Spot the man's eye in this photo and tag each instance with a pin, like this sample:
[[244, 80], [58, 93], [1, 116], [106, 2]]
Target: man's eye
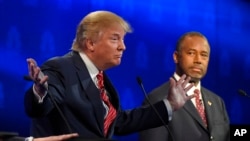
[[191, 53], [114, 38], [204, 55]]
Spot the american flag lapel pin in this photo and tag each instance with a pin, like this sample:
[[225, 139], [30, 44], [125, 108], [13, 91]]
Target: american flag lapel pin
[[209, 103]]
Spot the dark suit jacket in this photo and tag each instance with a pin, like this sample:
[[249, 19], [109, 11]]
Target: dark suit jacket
[[78, 98], [186, 124]]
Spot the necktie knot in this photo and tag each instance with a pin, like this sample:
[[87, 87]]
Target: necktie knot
[[197, 93], [100, 83], [100, 75]]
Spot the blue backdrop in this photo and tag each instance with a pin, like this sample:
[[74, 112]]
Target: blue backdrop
[[43, 28]]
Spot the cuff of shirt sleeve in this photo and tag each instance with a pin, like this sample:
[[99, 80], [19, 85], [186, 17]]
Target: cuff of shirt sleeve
[[40, 99], [29, 139], [169, 109]]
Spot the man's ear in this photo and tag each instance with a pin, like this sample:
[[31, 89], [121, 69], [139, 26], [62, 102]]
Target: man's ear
[[175, 57], [90, 44]]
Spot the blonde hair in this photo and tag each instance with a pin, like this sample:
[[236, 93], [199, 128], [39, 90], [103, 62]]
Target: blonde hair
[[91, 26]]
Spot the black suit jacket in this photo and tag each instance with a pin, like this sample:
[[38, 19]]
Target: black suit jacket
[[186, 124], [79, 100]]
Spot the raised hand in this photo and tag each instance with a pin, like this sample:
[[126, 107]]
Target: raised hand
[[37, 76], [177, 94]]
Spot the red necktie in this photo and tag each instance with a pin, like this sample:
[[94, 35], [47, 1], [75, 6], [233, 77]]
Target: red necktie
[[200, 108], [112, 111]]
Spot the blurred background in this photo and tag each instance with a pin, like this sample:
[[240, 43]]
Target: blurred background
[[43, 28]]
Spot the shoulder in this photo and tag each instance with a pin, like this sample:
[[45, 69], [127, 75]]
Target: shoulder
[[211, 94], [61, 60]]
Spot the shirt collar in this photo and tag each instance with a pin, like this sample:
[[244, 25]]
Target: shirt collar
[[93, 71], [191, 91]]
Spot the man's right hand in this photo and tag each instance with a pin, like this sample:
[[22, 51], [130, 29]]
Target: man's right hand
[[57, 138], [37, 76], [177, 95]]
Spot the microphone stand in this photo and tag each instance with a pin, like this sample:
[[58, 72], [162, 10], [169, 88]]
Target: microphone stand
[[157, 113], [56, 105]]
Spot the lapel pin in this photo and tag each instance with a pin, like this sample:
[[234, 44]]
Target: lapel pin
[[209, 103]]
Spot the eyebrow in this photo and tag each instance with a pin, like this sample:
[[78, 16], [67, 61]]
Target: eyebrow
[[116, 34], [203, 51]]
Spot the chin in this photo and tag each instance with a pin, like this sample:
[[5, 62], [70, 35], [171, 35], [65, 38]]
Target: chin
[[196, 78], [116, 63]]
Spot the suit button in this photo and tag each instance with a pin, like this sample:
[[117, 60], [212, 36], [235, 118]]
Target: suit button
[[211, 137]]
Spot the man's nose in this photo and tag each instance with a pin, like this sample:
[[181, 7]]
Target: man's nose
[[122, 46], [197, 58]]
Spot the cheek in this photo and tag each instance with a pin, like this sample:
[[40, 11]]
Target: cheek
[[111, 47], [184, 66], [205, 66], [205, 63], [186, 61]]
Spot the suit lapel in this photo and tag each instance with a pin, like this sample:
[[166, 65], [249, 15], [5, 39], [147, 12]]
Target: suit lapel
[[208, 104], [112, 93], [90, 90], [93, 94], [191, 109]]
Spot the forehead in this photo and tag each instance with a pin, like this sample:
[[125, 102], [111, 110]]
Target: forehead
[[114, 29], [195, 42]]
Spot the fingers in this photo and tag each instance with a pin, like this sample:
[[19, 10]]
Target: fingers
[[35, 72], [172, 82], [57, 138], [41, 78], [68, 136], [44, 80], [180, 81], [186, 89], [184, 80], [63, 137], [178, 91], [33, 69], [31, 60], [31, 64], [190, 97], [37, 76]]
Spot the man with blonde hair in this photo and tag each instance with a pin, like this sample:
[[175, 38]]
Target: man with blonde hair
[[73, 94]]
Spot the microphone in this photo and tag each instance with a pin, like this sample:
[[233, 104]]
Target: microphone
[[26, 77], [243, 93], [157, 113]]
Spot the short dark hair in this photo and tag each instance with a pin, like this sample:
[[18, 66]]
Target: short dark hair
[[188, 34]]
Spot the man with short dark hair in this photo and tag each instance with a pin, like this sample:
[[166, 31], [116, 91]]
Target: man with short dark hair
[[201, 119]]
